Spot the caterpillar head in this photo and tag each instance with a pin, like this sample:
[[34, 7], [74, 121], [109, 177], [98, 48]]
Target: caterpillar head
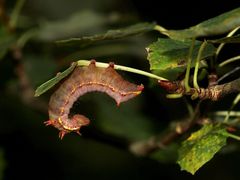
[[77, 121], [73, 124]]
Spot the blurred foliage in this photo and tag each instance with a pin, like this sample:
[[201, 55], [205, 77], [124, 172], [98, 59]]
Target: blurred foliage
[[6, 41], [78, 24], [121, 122], [110, 35], [2, 164], [29, 56]]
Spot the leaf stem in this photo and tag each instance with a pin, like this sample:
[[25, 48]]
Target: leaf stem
[[122, 68], [224, 113], [189, 108], [26, 37], [186, 79], [234, 103], [229, 35], [230, 60], [228, 74], [230, 135], [174, 96], [15, 13], [195, 76], [161, 29]]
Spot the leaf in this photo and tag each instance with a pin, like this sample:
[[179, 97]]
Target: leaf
[[201, 146], [110, 35], [52, 82], [77, 24], [214, 26], [167, 54], [232, 39]]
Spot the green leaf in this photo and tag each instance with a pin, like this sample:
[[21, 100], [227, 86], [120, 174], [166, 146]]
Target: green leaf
[[52, 82], [214, 26], [232, 39], [110, 35], [168, 54], [77, 24], [201, 146]]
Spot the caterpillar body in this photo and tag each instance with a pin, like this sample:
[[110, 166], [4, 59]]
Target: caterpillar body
[[81, 81]]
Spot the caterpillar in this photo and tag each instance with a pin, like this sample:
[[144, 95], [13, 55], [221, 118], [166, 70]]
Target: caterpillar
[[81, 81]]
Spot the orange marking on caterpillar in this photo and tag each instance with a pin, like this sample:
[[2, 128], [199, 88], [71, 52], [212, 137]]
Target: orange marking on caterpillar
[[81, 81]]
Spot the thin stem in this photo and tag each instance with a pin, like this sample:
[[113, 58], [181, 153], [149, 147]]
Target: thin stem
[[161, 30], [174, 96], [186, 79], [195, 76], [122, 68], [224, 113], [228, 74], [26, 37], [235, 102], [229, 35], [189, 108], [160, 141], [230, 135], [15, 13], [230, 60]]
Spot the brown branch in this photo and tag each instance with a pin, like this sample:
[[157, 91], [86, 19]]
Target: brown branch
[[213, 92], [4, 18], [26, 89], [143, 148]]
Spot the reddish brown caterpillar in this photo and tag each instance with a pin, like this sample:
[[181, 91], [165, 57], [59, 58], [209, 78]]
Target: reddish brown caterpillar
[[81, 81]]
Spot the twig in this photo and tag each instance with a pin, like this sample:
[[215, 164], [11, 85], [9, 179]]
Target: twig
[[230, 60], [122, 68], [224, 113], [15, 13], [157, 142], [4, 19], [228, 74], [229, 35], [213, 93], [195, 76], [187, 75], [26, 89], [234, 103]]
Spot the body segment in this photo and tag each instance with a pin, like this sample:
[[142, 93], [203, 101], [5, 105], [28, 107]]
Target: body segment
[[81, 81]]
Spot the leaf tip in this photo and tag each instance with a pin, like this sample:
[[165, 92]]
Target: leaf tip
[[36, 94], [147, 49], [183, 168]]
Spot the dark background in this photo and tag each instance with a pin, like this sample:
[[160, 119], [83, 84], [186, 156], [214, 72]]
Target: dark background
[[29, 150]]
